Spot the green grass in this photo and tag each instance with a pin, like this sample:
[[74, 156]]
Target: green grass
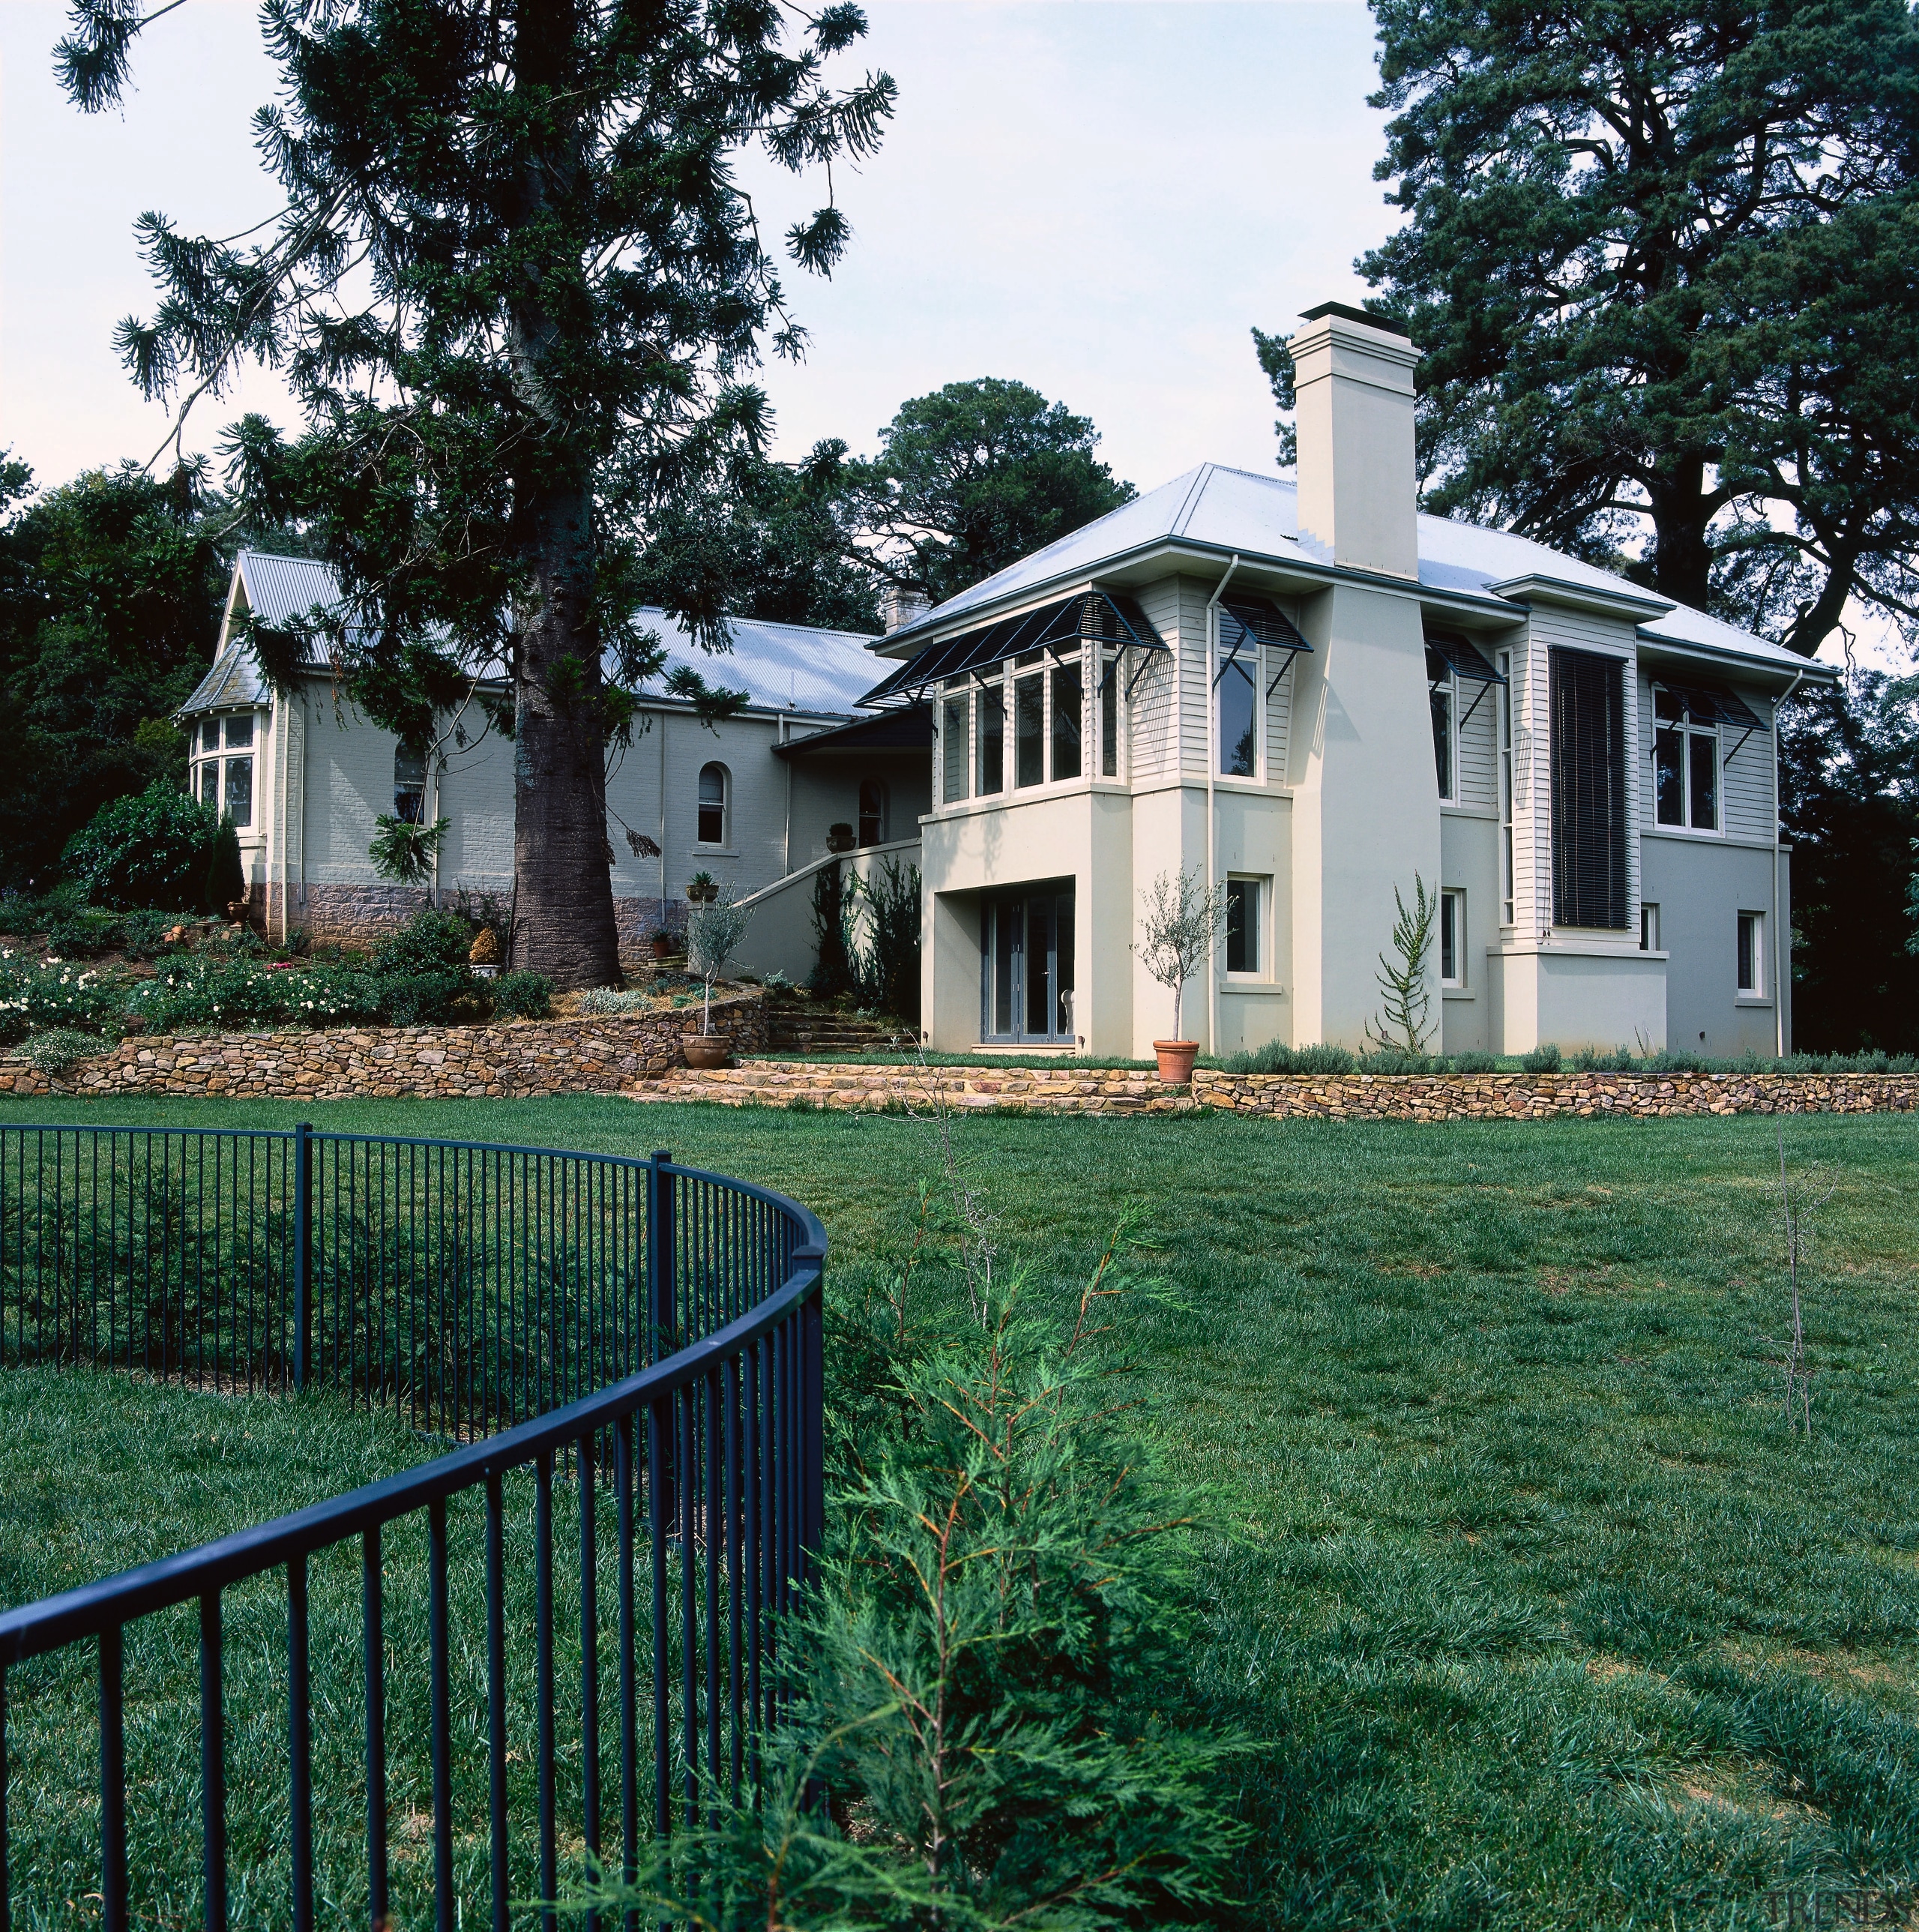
[[1543, 1617]]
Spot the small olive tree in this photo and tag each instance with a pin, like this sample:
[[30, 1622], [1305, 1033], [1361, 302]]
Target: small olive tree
[[1179, 915], [714, 929]]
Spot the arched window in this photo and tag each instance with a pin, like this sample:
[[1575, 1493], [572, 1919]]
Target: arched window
[[409, 785], [872, 812], [712, 830]]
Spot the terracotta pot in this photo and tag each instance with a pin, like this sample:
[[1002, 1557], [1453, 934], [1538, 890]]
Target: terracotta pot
[[706, 1050], [662, 948], [1176, 1060]]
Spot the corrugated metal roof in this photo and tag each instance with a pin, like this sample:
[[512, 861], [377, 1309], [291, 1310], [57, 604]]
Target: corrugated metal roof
[[780, 667], [1259, 516]]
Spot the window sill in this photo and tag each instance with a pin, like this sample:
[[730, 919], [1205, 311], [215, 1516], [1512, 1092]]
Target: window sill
[[716, 851], [1249, 984], [1763, 999], [1659, 831], [1456, 992]]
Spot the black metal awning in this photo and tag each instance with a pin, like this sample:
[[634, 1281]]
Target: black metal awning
[[1247, 622], [1103, 616], [1446, 655], [1708, 704]]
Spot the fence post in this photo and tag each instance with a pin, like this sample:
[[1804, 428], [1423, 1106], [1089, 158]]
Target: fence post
[[662, 1298], [303, 1244], [812, 1409]]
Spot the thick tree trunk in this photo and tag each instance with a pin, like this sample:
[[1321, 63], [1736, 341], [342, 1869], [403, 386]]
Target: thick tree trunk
[[562, 876], [1682, 553]]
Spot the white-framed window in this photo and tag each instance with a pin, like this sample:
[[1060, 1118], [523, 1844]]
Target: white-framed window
[[1444, 690], [409, 784], [1110, 696], [716, 804], [1452, 937], [1504, 662], [1236, 704], [872, 812], [1246, 899], [218, 777], [1068, 692], [1685, 765], [1752, 954], [955, 745], [1029, 720], [990, 736], [1649, 926]]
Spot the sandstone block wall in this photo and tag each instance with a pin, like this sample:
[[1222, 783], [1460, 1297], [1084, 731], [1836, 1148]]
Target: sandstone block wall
[[1060, 1088], [517, 1060]]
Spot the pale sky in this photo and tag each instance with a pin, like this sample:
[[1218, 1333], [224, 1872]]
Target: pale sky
[[1097, 197]]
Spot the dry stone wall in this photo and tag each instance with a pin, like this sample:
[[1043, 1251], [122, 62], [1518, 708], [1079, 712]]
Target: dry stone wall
[[518, 1059], [1402, 1097]]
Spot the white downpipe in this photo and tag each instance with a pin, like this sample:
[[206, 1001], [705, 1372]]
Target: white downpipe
[[663, 820], [1211, 770], [1779, 937]]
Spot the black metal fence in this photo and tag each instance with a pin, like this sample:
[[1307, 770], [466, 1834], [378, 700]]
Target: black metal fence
[[622, 1336]]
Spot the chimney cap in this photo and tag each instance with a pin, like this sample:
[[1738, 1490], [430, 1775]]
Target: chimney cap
[[1347, 313]]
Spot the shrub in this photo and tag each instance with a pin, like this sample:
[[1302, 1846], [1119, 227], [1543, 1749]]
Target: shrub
[[143, 934], [83, 934], [1541, 1059], [1397, 1059], [57, 1051], [525, 996], [35, 998], [1474, 1062], [197, 991], [157, 848], [422, 999], [1276, 1057], [992, 1673], [611, 1000], [431, 941]]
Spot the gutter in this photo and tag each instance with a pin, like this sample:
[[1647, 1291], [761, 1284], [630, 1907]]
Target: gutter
[[1212, 768], [934, 629]]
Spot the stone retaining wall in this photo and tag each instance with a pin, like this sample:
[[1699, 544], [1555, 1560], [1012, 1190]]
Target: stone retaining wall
[[1415, 1097], [518, 1059]]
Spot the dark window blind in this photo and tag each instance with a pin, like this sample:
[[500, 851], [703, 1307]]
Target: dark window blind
[[1588, 700]]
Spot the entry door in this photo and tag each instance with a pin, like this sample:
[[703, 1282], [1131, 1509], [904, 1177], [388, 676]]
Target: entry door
[[1026, 966]]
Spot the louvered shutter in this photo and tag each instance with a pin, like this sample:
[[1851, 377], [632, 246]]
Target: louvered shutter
[[1588, 700]]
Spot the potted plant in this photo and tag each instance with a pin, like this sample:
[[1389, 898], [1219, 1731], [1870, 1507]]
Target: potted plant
[[1178, 914], [701, 888], [714, 929], [840, 837], [663, 942]]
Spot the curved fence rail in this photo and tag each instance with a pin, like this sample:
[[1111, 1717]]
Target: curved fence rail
[[382, 1677]]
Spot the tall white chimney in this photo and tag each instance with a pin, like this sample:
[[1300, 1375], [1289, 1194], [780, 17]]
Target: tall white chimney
[[1358, 474]]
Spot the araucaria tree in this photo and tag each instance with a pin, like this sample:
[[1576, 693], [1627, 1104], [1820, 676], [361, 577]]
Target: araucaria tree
[[518, 291], [1659, 256]]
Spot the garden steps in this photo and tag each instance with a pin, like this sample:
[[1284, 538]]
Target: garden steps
[[791, 1030]]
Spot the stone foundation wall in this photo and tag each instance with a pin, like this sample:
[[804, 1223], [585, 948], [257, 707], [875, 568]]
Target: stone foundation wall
[[520, 1059], [1402, 1097], [363, 915]]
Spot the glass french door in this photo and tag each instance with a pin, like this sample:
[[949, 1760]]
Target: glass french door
[[1026, 966]]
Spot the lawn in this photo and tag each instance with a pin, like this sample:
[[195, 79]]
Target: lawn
[[1540, 1614]]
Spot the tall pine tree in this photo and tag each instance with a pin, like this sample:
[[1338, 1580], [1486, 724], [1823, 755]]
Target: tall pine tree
[[519, 293], [1660, 258]]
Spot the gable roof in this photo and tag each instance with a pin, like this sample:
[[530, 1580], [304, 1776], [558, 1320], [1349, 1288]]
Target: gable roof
[[1224, 510], [786, 667]]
